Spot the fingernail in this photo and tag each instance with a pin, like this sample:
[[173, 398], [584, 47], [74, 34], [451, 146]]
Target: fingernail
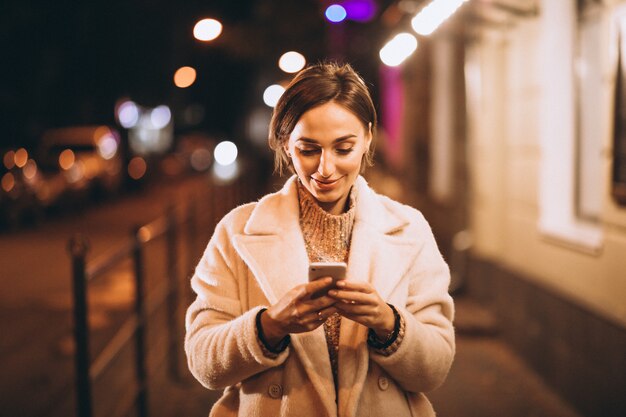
[[332, 292], [341, 283]]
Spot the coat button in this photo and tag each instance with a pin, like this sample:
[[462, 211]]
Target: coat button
[[275, 391], [383, 383]]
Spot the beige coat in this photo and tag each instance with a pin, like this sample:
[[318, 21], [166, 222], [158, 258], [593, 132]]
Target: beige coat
[[257, 253]]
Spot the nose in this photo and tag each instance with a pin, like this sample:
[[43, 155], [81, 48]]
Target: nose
[[326, 167]]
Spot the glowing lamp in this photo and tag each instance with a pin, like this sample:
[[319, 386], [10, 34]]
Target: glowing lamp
[[433, 15], [128, 114], [291, 62], [225, 153], [160, 116], [184, 77], [207, 30], [335, 13], [272, 94], [398, 49], [360, 10]]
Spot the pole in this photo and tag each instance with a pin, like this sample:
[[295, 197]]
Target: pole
[[78, 247]]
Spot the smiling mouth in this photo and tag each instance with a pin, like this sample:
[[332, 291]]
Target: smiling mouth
[[325, 182]]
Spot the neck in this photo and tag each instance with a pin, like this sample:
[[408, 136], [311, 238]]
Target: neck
[[336, 207]]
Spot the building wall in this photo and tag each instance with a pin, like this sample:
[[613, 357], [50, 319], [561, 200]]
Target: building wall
[[513, 118], [556, 279]]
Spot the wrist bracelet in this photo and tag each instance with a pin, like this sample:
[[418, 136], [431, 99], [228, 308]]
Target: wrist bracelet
[[376, 343], [269, 351]]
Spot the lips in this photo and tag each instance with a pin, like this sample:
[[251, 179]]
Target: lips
[[325, 184]]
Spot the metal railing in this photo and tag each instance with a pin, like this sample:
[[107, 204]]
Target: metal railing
[[169, 227]]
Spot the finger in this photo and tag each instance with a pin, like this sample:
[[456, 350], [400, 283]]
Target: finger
[[352, 297], [320, 302], [354, 286], [318, 288], [319, 285]]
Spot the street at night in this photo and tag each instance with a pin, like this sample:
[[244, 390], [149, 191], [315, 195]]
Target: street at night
[[458, 166]]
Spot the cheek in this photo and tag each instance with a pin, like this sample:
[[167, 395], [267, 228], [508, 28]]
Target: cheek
[[304, 164], [351, 164]]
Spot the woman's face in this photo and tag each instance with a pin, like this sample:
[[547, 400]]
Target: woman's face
[[326, 148]]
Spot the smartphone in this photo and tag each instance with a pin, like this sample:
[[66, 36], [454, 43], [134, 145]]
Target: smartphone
[[317, 270]]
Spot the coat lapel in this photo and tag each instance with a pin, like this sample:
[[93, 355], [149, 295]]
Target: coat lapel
[[273, 248], [378, 255]]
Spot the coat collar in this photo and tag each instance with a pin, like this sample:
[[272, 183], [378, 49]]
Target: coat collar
[[273, 247], [278, 212]]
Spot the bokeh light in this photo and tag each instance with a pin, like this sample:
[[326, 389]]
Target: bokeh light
[[207, 30], [160, 116], [225, 153], [8, 182], [30, 169], [128, 114], [67, 159], [184, 77], [360, 10], [433, 15], [137, 167], [21, 157], [335, 13], [272, 94], [291, 62], [107, 146], [200, 159], [224, 174], [9, 159], [398, 49]]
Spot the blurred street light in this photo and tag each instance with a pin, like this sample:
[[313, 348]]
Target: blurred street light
[[291, 62], [272, 94], [160, 116], [433, 15], [66, 159], [207, 30], [335, 13], [21, 156], [360, 10], [137, 167], [184, 77], [398, 49], [127, 114], [9, 159], [225, 153]]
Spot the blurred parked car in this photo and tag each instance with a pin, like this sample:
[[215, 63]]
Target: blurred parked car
[[79, 162]]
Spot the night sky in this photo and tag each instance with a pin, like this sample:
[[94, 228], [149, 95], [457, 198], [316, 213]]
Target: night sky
[[67, 62]]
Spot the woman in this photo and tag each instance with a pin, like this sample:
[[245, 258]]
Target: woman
[[374, 342]]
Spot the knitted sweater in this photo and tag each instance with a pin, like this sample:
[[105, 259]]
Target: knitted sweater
[[327, 239]]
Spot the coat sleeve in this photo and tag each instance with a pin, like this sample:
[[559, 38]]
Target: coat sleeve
[[221, 341], [425, 354]]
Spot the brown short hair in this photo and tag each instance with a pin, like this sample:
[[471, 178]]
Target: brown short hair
[[313, 86]]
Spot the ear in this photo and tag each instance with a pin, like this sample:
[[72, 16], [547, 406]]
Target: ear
[[286, 149]]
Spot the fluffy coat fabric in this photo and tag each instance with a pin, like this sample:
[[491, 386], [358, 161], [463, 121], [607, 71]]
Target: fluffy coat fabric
[[257, 254]]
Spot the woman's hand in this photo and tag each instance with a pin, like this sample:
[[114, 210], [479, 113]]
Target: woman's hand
[[360, 302], [297, 312]]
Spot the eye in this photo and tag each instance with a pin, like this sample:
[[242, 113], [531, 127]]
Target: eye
[[344, 151], [308, 151]]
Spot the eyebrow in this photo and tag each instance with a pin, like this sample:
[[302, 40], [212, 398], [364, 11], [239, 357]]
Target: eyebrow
[[339, 139]]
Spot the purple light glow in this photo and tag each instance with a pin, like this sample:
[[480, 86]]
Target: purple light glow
[[360, 10]]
